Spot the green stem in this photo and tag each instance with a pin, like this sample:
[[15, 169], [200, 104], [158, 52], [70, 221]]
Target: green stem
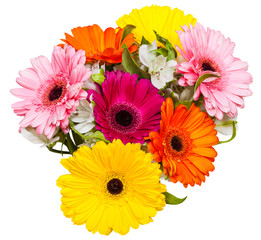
[[233, 135], [57, 151], [71, 147]]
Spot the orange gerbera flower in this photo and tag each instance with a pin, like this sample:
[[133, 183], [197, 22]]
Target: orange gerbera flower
[[99, 45], [184, 143]]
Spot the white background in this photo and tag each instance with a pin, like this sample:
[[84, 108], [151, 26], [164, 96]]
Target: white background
[[227, 206]]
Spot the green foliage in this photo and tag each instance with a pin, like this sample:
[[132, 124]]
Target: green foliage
[[172, 53], [127, 30], [130, 65], [203, 78], [171, 199]]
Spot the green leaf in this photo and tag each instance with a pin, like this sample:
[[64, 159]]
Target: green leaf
[[233, 134], [172, 53], [130, 65], [171, 199], [162, 51], [127, 30], [102, 71], [187, 104], [98, 135], [144, 41], [98, 78], [203, 78]]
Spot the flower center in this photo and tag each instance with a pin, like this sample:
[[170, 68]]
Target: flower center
[[206, 66], [115, 186], [176, 143], [55, 93], [123, 118], [54, 89]]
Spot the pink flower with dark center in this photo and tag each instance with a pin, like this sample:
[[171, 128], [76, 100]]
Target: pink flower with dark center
[[127, 108], [208, 51], [51, 90]]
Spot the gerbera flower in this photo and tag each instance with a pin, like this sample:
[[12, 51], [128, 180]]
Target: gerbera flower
[[100, 45], [164, 20], [184, 143], [126, 109], [111, 187], [51, 91], [208, 51]]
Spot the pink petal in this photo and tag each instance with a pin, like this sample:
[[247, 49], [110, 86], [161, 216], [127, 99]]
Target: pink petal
[[58, 60], [43, 67], [28, 119], [23, 93], [28, 79]]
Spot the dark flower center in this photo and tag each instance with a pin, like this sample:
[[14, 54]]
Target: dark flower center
[[176, 143], [123, 118], [206, 66], [55, 93], [115, 186]]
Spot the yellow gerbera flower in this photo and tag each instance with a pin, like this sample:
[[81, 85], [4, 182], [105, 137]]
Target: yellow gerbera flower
[[164, 20], [111, 187]]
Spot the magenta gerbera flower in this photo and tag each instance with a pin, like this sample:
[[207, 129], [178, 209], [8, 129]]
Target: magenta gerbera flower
[[127, 108], [208, 51], [51, 90]]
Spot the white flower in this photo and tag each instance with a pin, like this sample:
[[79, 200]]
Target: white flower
[[225, 126], [84, 117], [30, 134], [160, 70], [95, 68]]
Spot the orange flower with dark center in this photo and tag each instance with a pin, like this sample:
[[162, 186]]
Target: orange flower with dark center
[[184, 143], [100, 45]]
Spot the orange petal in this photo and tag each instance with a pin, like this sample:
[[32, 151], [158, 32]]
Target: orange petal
[[206, 141], [202, 163], [207, 152]]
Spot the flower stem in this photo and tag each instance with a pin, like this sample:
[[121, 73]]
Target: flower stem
[[57, 151]]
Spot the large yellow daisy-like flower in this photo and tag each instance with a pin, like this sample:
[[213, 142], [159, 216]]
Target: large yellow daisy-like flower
[[164, 20], [111, 187]]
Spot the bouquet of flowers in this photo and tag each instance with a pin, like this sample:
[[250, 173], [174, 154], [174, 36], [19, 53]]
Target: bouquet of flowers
[[132, 105]]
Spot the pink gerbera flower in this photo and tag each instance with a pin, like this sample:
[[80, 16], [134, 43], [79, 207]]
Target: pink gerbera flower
[[51, 91], [208, 51], [126, 108]]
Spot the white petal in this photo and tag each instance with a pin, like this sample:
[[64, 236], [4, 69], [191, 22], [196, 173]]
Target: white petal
[[84, 127], [170, 64], [31, 135], [225, 126], [157, 82], [144, 55], [147, 54], [166, 75], [159, 63], [154, 45]]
